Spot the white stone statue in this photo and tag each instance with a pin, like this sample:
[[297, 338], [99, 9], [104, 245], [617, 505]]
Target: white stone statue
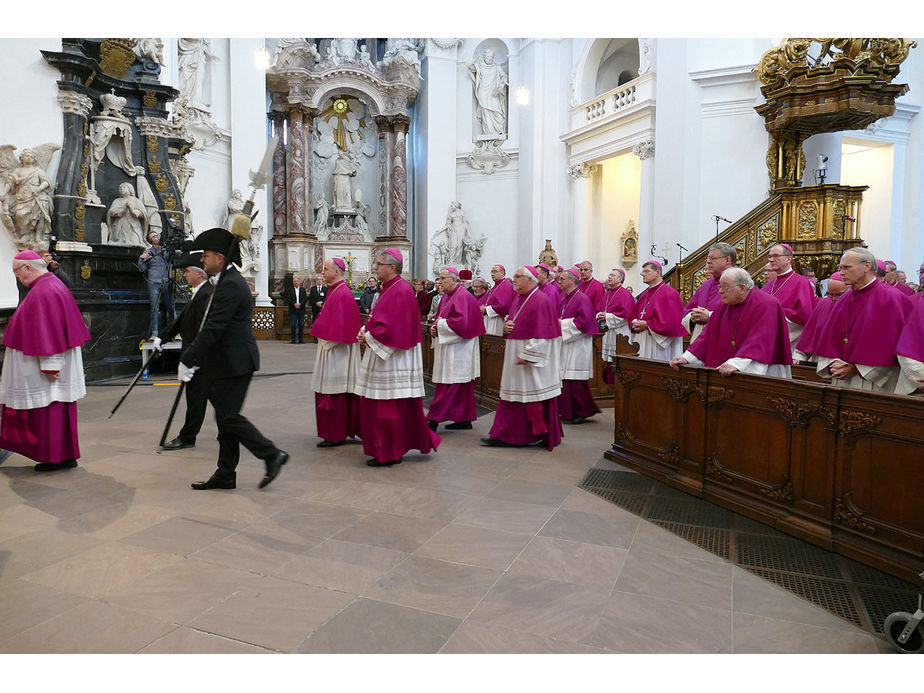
[[341, 50], [150, 48], [490, 84], [344, 169], [111, 135], [235, 205], [194, 63], [127, 219], [146, 195], [453, 244], [362, 210], [250, 253], [405, 49], [365, 59], [321, 212], [26, 191]]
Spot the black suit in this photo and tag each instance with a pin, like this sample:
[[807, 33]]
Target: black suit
[[187, 324], [297, 315], [317, 293], [226, 352]]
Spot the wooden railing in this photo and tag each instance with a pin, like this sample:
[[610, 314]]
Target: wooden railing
[[839, 468]]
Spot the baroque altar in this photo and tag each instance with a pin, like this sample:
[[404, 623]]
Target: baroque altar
[[340, 172]]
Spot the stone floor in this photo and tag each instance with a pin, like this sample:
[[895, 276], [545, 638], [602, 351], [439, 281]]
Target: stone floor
[[469, 550]]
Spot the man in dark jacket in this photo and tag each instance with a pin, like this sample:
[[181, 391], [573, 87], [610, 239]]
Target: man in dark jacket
[[296, 297], [316, 297], [187, 324], [225, 354]]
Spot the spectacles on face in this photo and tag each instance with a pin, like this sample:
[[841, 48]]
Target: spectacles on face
[[519, 276], [776, 255], [16, 268], [727, 287]]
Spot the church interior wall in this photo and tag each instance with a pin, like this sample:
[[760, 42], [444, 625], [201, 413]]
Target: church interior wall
[[870, 163], [620, 189], [618, 66], [491, 206]]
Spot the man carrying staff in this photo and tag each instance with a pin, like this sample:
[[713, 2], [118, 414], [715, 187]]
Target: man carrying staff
[[794, 291], [456, 328], [497, 301], [857, 346], [225, 355], [390, 381], [42, 375], [187, 324], [578, 326], [747, 333], [336, 363], [707, 299], [655, 321], [527, 413]]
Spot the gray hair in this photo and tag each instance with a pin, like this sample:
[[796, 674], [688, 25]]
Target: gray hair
[[38, 264], [726, 249], [891, 266], [740, 276], [864, 255], [480, 282], [202, 270], [390, 260]]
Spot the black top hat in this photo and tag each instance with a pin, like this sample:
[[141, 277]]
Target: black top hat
[[217, 240], [193, 259]]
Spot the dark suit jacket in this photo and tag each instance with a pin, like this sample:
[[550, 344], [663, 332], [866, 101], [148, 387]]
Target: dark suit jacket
[[188, 321], [289, 297], [225, 346], [317, 293]]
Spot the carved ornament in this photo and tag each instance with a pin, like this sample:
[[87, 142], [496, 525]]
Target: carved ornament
[[73, 102], [116, 55], [85, 270], [797, 412], [714, 394], [644, 150], [80, 211], [767, 233], [716, 471], [856, 421], [161, 182], [149, 99], [679, 389], [157, 127], [621, 433], [845, 514], [584, 170], [670, 454], [781, 492], [808, 220], [169, 201], [154, 165], [627, 377], [447, 43]]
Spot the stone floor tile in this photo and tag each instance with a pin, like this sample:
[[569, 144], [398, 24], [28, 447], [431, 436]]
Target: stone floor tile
[[372, 627], [182, 535], [476, 638], [529, 491], [30, 552], [441, 587], [616, 531], [341, 565], [570, 561], [271, 613], [25, 604], [760, 635], [705, 583], [509, 516], [190, 641], [651, 538], [391, 531], [489, 548]]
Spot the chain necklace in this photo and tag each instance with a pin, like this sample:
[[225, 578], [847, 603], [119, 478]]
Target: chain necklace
[[651, 298], [773, 290]]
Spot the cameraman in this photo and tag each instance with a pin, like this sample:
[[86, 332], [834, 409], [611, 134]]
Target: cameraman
[[156, 263]]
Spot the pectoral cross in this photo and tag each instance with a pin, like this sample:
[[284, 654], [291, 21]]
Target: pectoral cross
[[733, 342]]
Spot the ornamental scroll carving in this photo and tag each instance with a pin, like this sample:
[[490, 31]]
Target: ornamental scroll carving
[[845, 514], [714, 394], [678, 389], [716, 471], [781, 492], [670, 454], [798, 412], [621, 434], [767, 233], [627, 377], [851, 421], [808, 220]]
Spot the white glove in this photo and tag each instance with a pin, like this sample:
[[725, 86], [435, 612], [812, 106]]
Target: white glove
[[157, 344], [184, 373]]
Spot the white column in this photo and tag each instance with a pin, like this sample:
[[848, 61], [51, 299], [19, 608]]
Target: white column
[[249, 139], [646, 152], [581, 215], [434, 169]]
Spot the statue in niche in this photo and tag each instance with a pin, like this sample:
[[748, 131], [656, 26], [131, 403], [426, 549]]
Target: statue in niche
[[111, 135], [321, 213], [194, 65], [151, 49], [630, 245], [453, 244], [344, 169], [362, 209], [235, 205], [548, 255], [250, 253], [26, 205], [127, 219], [490, 84], [146, 195]]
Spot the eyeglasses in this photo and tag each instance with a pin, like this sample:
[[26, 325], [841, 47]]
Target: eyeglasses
[[774, 255], [16, 268]]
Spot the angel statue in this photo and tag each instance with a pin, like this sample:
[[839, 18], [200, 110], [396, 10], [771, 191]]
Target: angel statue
[[26, 193]]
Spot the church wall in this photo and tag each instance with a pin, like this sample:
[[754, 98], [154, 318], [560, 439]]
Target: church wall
[[872, 167], [31, 116], [620, 187], [491, 206]]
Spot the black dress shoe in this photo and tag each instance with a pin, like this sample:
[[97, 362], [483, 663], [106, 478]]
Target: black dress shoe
[[329, 443], [494, 442], [55, 466], [372, 462], [460, 426], [177, 444], [301, 341], [215, 481], [433, 425], [575, 420], [273, 465]]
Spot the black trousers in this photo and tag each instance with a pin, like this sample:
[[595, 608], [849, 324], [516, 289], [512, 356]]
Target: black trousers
[[227, 397], [298, 326], [197, 398]]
